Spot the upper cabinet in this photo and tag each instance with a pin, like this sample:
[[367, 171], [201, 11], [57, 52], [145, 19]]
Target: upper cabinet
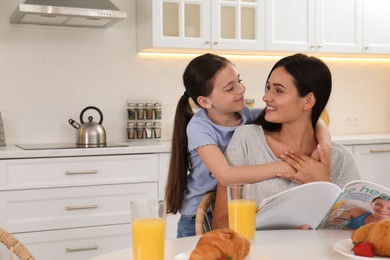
[[314, 26], [201, 24], [376, 26], [328, 26]]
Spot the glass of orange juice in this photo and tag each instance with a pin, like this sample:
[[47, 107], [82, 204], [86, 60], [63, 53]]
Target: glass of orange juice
[[148, 228], [242, 209]]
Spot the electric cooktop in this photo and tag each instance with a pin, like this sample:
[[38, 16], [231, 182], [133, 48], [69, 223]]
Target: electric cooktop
[[50, 146]]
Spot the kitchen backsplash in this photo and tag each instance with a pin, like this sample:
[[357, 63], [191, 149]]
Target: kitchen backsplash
[[49, 74]]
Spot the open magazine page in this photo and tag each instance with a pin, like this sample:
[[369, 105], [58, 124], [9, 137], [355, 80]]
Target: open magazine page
[[303, 204], [361, 202]]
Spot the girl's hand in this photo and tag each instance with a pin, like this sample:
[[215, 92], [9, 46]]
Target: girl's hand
[[307, 168]]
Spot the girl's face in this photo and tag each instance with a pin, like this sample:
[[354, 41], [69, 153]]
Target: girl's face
[[228, 91], [381, 209], [283, 104]]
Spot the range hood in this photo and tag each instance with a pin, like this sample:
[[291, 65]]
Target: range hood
[[75, 13]]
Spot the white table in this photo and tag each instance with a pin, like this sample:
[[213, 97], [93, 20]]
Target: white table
[[274, 245]]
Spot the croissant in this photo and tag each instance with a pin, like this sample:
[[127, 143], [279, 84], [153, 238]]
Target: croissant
[[377, 234], [221, 243]]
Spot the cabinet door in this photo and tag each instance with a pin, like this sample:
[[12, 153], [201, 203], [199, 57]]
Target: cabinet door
[[376, 26], [374, 163], [339, 26], [75, 244], [72, 207], [290, 25], [238, 25], [173, 24]]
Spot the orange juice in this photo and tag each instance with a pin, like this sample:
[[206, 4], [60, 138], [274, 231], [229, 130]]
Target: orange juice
[[148, 238], [242, 217]]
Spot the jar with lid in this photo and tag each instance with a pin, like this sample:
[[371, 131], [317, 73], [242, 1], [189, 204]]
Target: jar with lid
[[140, 110], [157, 129], [140, 130], [148, 130], [149, 110], [131, 111], [157, 110], [130, 130]]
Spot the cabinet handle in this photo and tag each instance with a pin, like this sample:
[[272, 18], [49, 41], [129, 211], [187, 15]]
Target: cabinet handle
[[92, 206], [319, 45], [312, 45], [206, 42], [215, 43], [380, 151], [69, 250], [366, 47], [81, 172]]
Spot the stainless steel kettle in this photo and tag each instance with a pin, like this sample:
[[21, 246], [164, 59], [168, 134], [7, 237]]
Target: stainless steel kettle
[[89, 134]]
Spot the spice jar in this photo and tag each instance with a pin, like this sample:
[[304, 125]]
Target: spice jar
[[140, 110], [149, 110], [140, 130], [131, 111], [130, 130], [148, 130], [157, 110], [157, 129]]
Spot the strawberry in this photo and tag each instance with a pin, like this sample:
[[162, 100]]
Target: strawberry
[[363, 249]]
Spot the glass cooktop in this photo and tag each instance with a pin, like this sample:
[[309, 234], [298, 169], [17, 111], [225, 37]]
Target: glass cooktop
[[50, 146]]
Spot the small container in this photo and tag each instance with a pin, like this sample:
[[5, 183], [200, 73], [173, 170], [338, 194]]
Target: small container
[[140, 110], [149, 110], [140, 130], [131, 111], [130, 130], [148, 130], [250, 102], [157, 129], [157, 110]]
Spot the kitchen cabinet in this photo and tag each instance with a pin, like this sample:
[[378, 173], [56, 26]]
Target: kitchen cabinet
[[200, 24], [77, 207], [373, 161], [314, 26], [376, 38]]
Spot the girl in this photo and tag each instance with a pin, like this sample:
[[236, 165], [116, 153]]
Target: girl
[[199, 140], [297, 91]]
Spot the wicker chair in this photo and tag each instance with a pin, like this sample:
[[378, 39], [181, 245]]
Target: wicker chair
[[202, 221], [15, 246]]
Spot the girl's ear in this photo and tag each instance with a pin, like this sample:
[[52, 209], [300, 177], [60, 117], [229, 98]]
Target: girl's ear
[[310, 101], [204, 102]]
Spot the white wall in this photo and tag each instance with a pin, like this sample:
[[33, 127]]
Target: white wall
[[49, 74]]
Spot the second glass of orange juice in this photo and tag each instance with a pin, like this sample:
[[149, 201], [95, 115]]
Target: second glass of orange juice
[[148, 229], [242, 209]]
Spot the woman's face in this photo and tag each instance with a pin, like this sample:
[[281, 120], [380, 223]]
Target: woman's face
[[228, 91], [283, 104], [381, 209]]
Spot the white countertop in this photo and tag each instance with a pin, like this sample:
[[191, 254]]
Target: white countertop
[[268, 245], [156, 146], [135, 147], [362, 139]]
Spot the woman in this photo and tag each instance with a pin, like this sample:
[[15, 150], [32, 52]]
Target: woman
[[297, 91]]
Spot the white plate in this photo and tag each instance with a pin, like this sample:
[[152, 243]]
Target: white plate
[[345, 246], [254, 254]]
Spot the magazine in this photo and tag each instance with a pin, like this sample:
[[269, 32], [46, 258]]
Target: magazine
[[322, 205]]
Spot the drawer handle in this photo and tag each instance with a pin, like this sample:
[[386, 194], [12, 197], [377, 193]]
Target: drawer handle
[[93, 206], [81, 172], [69, 250], [380, 151]]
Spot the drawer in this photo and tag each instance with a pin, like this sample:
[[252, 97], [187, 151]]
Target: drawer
[[75, 244], [47, 209], [73, 171]]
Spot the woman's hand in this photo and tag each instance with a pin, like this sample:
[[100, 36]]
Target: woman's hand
[[307, 168]]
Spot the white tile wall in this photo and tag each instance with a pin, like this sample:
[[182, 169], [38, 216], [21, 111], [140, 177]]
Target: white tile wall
[[49, 74]]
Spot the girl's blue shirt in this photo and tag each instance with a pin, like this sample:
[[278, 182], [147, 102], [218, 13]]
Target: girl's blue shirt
[[202, 131]]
